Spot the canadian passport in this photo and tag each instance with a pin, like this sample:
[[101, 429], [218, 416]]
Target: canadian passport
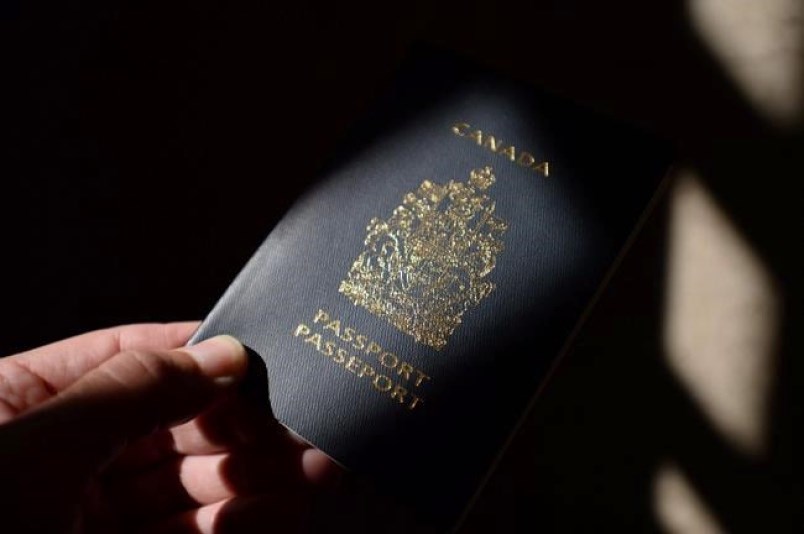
[[411, 304]]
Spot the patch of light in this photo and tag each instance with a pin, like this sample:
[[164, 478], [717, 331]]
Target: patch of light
[[760, 43], [722, 311], [679, 508]]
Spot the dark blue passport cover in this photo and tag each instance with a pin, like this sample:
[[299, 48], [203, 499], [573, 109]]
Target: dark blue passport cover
[[411, 304]]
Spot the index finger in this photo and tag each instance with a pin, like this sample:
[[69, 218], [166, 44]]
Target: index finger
[[61, 363]]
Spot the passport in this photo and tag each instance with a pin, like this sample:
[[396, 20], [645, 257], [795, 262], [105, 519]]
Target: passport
[[411, 304]]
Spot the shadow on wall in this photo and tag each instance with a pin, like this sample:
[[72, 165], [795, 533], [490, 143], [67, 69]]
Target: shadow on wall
[[623, 439]]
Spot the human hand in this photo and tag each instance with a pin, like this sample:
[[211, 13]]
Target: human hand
[[92, 439]]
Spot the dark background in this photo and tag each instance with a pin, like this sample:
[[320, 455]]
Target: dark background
[[148, 147]]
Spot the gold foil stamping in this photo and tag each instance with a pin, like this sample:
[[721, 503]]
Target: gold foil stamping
[[425, 266]]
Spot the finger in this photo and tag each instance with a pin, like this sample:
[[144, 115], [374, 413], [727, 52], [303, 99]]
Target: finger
[[189, 481], [285, 512], [128, 396], [192, 480], [319, 469], [29, 378], [230, 423]]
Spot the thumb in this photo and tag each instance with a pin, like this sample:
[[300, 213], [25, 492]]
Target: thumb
[[130, 395]]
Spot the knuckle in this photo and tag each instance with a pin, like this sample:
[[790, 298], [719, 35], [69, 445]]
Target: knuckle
[[20, 389], [157, 366]]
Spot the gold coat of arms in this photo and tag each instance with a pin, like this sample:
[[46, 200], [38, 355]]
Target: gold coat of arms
[[425, 266]]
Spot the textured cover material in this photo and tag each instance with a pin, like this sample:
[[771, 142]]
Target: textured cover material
[[410, 305]]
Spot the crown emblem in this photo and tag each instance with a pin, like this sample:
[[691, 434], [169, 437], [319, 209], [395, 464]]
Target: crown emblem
[[425, 266]]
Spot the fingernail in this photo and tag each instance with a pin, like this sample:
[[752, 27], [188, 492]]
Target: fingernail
[[221, 357]]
